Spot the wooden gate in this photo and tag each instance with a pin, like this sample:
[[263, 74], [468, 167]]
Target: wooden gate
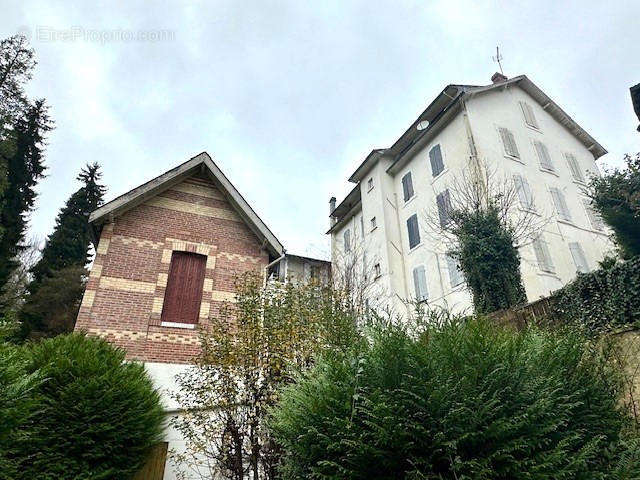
[[153, 469]]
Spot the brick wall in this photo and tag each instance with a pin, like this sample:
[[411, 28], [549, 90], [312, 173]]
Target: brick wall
[[125, 293]]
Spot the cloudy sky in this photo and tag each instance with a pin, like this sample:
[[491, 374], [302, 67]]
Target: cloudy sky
[[287, 98]]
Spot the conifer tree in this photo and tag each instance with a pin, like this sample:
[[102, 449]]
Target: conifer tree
[[58, 277]]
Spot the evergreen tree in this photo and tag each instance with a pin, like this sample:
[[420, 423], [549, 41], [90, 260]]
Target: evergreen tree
[[23, 149], [23, 126], [64, 256]]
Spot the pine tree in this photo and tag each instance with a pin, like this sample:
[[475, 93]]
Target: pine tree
[[23, 149], [23, 126], [64, 256]]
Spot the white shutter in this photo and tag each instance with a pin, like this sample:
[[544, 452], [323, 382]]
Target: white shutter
[[579, 259], [544, 157], [509, 143], [347, 241], [524, 192], [576, 172], [420, 283], [594, 218], [455, 274], [543, 256], [529, 116], [560, 203]]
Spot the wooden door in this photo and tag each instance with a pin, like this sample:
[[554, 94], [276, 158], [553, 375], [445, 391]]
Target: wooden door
[[184, 288]]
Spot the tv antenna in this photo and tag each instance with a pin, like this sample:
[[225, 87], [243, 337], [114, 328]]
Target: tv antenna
[[498, 58]]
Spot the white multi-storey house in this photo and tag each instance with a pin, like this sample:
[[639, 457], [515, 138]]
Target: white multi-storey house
[[517, 131]]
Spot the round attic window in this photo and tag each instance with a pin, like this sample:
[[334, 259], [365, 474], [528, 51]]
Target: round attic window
[[423, 124]]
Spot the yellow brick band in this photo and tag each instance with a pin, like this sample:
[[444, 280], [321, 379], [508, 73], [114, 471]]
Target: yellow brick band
[[199, 190], [157, 305], [96, 271], [139, 242], [126, 285], [117, 334], [103, 246], [162, 280], [203, 210], [220, 296], [166, 256], [208, 285], [239, 258], [88, 298], [204, 309], [211, 262]]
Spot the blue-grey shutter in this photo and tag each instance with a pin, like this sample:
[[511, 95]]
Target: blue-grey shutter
[[413, 231], [576, 172], [560, 203], [509, 142], [407, 186], [443, 201], [435, 157], [420, 284], [544, 157], [455, 274]]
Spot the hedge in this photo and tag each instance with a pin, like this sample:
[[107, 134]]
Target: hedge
[[603, 299]]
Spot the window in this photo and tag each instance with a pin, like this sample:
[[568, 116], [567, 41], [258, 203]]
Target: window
[[524, 192], [347, 240], [183, 293], [543, 256], [443, 201], [509, 143], [373, 223], [576, 172], [435, 157], [362, 225], [377, 270], [413, 230], [594, 218], [370, 184], [420, 284], [529, 117], [579, 260], [560, 204], [407, 186], [455, 274], [544, 157]]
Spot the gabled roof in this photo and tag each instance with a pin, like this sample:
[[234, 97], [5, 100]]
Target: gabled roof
[[447, 104], [200, 163]]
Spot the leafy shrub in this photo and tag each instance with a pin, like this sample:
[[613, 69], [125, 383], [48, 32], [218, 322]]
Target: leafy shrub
[[465, 401], [605, 298], [96, 417], [17, 404], [616, 196]]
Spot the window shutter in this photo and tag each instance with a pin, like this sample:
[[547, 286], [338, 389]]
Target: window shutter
[[576, 172], [407, 186], [347, 240], [509, 143], [594, 218], [529, 116], [435, 157], [579, 259], [524, 192], [455, 274], [362, 225], [413, 231], [543, 256], [443, 201], [183, 293], [420, 283], [560, 203], [544, 157]]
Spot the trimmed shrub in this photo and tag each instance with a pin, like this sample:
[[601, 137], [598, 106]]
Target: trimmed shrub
[[602, 299], [97, 415], [465, 401]]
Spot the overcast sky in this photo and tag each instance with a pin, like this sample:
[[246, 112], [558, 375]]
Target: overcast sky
[[288, 99]]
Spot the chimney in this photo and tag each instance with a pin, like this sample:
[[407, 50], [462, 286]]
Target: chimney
[[332, 207], [498, 78]]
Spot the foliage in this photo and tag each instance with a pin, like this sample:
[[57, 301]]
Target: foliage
[[464, 400], [488, 258], [96, 416], [603, 299], [247, 353], [616, 197], [22, 150], [17, 61], [17, 402], [59, 276]]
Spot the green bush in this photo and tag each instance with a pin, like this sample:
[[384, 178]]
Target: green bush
[[465, 401], [96, 416], [602, 299]]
